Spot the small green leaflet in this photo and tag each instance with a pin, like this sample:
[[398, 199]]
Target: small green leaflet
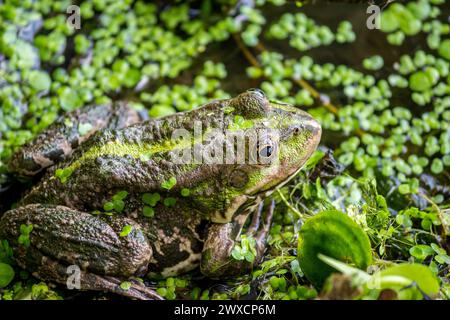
[[126, 230]]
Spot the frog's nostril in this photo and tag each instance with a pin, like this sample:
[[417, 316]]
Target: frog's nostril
[[314, 127]]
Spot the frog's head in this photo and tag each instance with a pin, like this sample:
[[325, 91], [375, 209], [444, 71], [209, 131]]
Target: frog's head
[[287, 137]]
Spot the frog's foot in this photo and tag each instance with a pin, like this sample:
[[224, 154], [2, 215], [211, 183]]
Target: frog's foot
[[136, 289], [217, 260], [259, 231], [67, 246], [74, 278]]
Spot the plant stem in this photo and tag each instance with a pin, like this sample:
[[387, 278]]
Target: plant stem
[[439, 212], [300, 82], [289, 205], [248, 55]]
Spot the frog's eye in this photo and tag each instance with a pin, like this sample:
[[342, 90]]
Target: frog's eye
[[251, 104], [266, 151]]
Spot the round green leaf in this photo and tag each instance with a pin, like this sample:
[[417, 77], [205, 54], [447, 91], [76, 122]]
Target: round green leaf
[[6, 274], [108, 206], [185, 192], [389, 21], [151, 198], [39, 80], [126, 230], [420, 81], [126, 285], [334, 234], [70, 100], [444, 49], [148, 212], [421, 251]]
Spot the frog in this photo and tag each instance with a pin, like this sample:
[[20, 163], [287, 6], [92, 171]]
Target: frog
[[114, 202]]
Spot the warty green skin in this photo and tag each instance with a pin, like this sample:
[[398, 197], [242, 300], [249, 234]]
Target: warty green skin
[[58, 142], [199, 229]]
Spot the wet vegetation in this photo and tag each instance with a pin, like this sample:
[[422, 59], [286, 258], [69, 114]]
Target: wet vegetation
[[381, 96]]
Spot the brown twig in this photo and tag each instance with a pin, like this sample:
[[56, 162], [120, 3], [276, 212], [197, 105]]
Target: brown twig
[[300, 82], [248, 55]]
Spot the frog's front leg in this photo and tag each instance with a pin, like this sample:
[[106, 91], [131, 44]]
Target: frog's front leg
[[48, 239], [60, 139], [217, 260]]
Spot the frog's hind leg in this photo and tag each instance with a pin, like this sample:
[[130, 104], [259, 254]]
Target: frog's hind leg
[[61, 138], [74, 278], [71, 247], [217, 260]]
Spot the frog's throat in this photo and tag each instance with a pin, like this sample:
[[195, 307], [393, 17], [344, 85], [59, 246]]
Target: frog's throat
[[224, 217], [267, 193]]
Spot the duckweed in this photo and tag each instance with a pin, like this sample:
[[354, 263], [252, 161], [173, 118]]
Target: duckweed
[[383, 111], [126, 230]]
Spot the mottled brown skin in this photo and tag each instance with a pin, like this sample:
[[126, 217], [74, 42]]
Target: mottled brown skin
[[201, 229]]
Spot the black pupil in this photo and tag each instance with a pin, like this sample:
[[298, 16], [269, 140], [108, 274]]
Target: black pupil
[[266, 151]]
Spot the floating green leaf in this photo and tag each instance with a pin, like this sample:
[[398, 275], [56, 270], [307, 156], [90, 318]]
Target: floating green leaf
[[84, 128], [148, 212], [126, 230], [169, 184], [126, 285], [420, 81], [39, 80], [444, 49], [151, 198], [169, 201], [185, 192]]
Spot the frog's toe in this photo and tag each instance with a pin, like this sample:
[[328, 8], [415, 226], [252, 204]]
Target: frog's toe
[[73, 278], [259, 230], [255, 228], [263, 230], [256, 220], [133, 289]]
